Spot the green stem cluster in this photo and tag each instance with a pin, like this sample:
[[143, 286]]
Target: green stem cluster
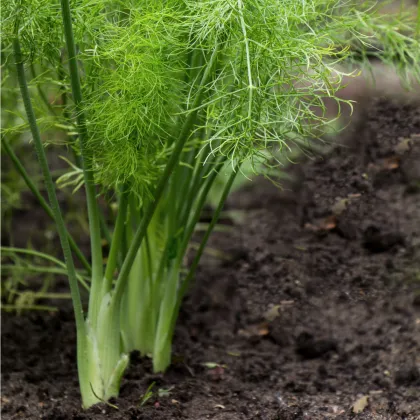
[[137, 310]]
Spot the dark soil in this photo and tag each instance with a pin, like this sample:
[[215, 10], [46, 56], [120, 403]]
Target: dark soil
[[316, 308]]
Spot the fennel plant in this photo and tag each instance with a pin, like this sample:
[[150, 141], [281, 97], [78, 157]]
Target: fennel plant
[[159, 100]]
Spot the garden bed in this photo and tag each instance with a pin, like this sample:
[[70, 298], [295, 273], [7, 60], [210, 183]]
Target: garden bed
[[316, 306]]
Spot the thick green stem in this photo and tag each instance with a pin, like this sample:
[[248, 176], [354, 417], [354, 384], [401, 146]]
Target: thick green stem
[[104, 227], [22, 172], [66, 112], [173, 161], [191, 273], [163, 338], [93, 210], [105, 364], [74, 287], [116, 241], [188, 178], [171, 296], [190, 225]]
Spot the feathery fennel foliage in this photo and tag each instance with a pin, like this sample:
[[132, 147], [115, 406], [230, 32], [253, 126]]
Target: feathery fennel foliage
[[165, 98]]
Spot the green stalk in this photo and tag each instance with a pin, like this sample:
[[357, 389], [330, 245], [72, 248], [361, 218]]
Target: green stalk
[[199, 178], [170, 270], [163, 337], [173, 161], [64, 105], [33, 253], [19, 167], [138, 312], [194, 188], [42, 269], [195, 182], [28, 308], [104, 362], [150, 252], [116, 241], [11, 250], [74, 287], [42, 94], [151, 289], [104, 227], [191, 273], [210, 228], [184, 176], [93, 210]]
